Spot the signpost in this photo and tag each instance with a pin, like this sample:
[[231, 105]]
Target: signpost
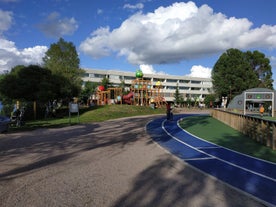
[[74, 108]]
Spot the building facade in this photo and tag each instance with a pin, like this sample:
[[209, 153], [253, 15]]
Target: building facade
[[189, 87]]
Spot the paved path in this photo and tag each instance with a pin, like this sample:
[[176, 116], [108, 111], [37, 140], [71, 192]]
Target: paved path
[[109, 164]]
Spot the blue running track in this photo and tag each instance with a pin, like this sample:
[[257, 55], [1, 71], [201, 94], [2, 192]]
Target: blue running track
[[251, 175]]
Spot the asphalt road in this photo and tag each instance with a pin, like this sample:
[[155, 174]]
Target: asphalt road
[[108, 164]]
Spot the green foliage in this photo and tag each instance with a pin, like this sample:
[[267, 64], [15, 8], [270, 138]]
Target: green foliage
[[88, 89], [62, 59], [261, 65], [123, 86], [209, 100], [233, 73], [33, 83], [106, 83], [177, 97]]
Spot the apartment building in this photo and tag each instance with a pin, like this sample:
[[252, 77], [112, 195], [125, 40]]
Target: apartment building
[[189, 87]]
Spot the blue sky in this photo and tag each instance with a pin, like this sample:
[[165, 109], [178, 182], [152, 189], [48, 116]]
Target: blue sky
[[158, 36]]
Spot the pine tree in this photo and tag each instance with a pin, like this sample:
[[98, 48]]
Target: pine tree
[[177, 98]]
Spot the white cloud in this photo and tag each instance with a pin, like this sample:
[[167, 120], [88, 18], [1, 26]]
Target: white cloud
[[6, 20], [54, 26], [133, 7], [148, 69], [175, 33], [200, 72], [11, 56]]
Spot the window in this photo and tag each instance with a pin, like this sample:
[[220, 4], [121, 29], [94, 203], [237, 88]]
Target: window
[[195, 82], [114, 77], [184, 81], [158, 79], [96, 75], [129, 78], [172, 80], [183, 88]]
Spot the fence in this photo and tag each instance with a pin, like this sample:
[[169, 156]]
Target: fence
[[260, 130]]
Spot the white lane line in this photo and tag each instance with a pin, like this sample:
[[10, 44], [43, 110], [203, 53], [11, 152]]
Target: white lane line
[[203, 158], [229, 163]]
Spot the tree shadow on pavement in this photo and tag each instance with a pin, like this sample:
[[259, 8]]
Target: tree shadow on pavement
[[169, 183], [25, 152]]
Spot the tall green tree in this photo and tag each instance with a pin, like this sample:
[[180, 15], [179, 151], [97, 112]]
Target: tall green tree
[[88, 89], [261, 65], [33, 83], [62, 59], [233, 73]]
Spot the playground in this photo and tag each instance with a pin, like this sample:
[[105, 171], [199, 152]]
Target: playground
[[142, 92]]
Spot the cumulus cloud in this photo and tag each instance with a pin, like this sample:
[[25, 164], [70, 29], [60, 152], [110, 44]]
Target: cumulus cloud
[[11, 56], [200, 71], [6, 20], [148, 69], [54, 26], [175, 33]]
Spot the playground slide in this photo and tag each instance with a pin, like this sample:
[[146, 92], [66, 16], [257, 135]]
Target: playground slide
[[127, 98]]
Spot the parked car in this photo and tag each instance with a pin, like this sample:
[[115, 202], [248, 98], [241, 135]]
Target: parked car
[[4, 123]]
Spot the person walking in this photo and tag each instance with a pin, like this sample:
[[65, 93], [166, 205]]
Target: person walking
[[169, 111], [262, 110]]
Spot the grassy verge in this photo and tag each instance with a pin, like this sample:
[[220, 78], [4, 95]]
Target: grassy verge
[[219, 133], [88, 115]]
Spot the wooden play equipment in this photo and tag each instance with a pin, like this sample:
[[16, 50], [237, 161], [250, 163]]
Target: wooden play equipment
[[115, 95], [158, 95], [110, 96], [144, 94], [141, 92]]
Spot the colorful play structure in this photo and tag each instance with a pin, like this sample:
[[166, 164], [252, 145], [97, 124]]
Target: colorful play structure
[[142, 93], [109, 96]]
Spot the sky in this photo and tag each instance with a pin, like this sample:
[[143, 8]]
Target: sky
[[157, 36]]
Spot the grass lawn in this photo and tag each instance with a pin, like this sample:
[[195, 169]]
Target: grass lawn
[[88, 115], [210, 129]]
